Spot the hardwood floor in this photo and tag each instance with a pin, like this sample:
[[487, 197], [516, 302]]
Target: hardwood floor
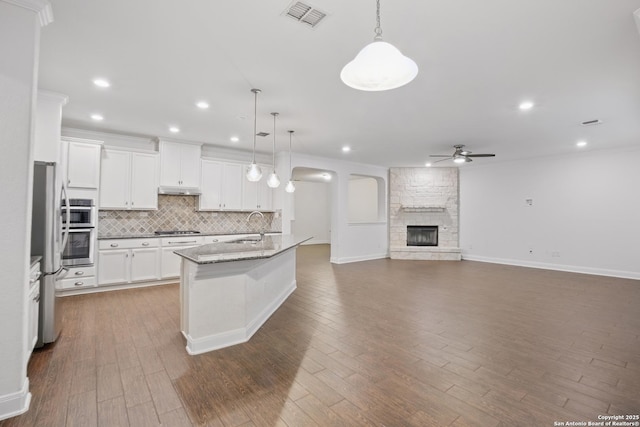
[[377, 343]]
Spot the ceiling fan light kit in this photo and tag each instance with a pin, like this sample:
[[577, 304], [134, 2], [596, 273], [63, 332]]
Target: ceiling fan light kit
[[379, 65]]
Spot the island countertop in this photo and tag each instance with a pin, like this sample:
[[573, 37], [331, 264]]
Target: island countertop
[[242, 249]]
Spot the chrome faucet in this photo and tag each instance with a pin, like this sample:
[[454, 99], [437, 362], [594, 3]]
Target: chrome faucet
[[261, 216]]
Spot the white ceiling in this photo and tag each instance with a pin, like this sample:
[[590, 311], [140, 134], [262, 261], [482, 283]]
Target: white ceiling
[[577, 60]]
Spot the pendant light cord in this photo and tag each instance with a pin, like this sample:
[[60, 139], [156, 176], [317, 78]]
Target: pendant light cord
[[290, 171], [255, 120], [378, 29], [273, 160]]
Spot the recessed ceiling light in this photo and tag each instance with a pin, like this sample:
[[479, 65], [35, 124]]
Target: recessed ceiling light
[[97, 117], [526, 105], [346, 149], [581, 143], [428, 164], [234, 139], [101, 83], [174, 129], [202, 105]]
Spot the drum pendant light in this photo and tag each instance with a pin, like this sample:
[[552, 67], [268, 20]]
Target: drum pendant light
[[254, 173], [290, 188], [379, 65], [273, 181]]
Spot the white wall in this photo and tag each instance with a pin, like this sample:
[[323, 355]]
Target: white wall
[[19, 48], [349, 242], [363, 200], [312, 211], [585, 215]]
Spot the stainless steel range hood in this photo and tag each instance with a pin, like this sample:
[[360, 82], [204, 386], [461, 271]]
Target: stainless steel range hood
[[180, 191]]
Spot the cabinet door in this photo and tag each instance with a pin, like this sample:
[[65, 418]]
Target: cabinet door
[[145, 264], [144, 181], [170, 164], [190, 165], [34, 306], [211, 185], [232, 186], [250, 195], [113, 266], [83, 170], [115, 179], [171, 262], [264, 195]]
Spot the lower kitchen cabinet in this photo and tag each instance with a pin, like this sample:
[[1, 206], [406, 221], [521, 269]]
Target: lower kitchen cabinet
[[33, 307], [171, 262], [128, 260]]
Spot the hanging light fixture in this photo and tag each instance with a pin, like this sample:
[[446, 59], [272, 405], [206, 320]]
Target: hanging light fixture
[[273, 181], [379, 65], [254, 173], [290, 188]]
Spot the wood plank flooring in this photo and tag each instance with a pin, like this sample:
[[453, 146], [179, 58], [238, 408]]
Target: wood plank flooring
[[377, 343]]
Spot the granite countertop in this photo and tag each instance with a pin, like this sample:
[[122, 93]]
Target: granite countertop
[[34, 260], [238, 250], [149, 236]]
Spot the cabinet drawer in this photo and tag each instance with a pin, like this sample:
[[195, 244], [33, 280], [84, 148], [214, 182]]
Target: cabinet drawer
[[128, 243], [77, 283], [182, 241], [79, 272]]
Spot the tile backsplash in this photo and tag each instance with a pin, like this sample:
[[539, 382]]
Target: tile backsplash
[[179, 213]]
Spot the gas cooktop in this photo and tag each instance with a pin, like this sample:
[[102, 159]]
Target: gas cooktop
[[173, 232]]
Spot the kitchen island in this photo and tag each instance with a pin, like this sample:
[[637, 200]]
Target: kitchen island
[[228, 290]]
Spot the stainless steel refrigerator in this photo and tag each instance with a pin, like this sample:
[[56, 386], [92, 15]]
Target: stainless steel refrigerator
[[48, 239]]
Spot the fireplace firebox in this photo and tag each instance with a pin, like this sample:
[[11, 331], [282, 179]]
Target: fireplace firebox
[[422, 235]]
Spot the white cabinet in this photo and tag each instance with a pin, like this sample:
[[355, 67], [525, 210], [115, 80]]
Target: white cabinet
[[179, 164], [129, 180], [170, 261], [78, 278], [257, 195], [83, 163], [128, 260], [33, 304], [221, 186]]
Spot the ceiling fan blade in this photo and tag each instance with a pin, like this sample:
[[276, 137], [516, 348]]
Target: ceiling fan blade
[[440, 155], [481, 155], [442, 160]]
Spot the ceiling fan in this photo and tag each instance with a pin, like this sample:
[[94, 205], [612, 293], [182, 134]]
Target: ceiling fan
[[460, 155]]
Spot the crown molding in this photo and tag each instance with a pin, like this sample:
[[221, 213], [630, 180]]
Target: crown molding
[[54, 97], [41, 7]]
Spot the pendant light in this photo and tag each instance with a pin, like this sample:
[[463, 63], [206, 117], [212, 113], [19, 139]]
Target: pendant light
[[254, 173], [379, 65], [273, 181], [290, 188]]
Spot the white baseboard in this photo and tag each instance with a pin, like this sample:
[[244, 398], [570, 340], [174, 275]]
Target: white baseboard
[[237, 336], [558, 267], [346, 260], [14, 404]]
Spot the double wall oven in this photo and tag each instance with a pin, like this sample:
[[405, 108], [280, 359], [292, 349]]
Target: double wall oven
[[78, 220]]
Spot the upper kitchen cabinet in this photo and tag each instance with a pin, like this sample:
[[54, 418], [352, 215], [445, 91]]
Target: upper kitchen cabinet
[[83, 162], [257, 195], [48, 126], [221, 186], [129, 180], [179, 164]]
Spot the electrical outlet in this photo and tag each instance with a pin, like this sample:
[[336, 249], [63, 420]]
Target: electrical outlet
[[528, 202], [530, 250]]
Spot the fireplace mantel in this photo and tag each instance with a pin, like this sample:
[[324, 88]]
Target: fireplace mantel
[[424, 208]]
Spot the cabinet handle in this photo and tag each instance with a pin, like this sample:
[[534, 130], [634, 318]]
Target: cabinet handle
[[36, 298], [145, 244], [114, 245], [79, 273], [68, 182], [184, 243], [131, 203], [78, 284], [126, 203], [133, 254]]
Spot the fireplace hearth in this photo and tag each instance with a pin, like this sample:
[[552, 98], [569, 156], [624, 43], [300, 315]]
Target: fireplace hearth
[[422, 235]]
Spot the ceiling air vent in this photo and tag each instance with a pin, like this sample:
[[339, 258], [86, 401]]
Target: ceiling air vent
[[592, 122], [263, 134], [304, 13]]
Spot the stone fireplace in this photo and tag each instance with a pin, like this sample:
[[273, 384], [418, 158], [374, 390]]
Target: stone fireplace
[[423, 217]]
